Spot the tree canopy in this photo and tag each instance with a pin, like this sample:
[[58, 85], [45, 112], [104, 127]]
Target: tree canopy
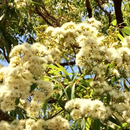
[[68, 65]]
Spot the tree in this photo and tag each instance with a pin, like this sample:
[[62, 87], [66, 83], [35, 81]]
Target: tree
[[37, 89]]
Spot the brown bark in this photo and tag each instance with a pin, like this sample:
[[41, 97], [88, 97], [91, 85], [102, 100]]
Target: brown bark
[[4, 116], [118, 12], [89, 9]]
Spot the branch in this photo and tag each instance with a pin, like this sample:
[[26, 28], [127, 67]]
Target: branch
[[89, 9], [5, 56], [41, 14], [65, 63], [107, 13], [4, 116], [118, 12], [49, 16], [77, 66], [54, 115]]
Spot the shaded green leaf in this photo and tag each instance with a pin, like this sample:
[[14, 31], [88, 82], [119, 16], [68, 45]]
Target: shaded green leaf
[[32, 87], [96, 124], [114, 120], [126, 30], [120, 37], [83, 124], [17, 101], [73, 91]]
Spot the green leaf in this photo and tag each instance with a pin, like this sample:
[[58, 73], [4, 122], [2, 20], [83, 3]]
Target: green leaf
[[125, 125], [68, 93], [17, 101], [126, 30], [45, 107], [107, 71], [125, 86], [114, 22], [19, 113], [113, 79], [73, 91], [75, 75], [102, 97], [88, 124], [63, 70], [83, 124], [32, 87], [114, 120], [120, 37], [33, 2], [108, 98], [96, 124], [86, 84]]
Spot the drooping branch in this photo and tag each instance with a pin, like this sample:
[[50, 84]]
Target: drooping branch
[[118, 12], [89, 9], [105, 11]]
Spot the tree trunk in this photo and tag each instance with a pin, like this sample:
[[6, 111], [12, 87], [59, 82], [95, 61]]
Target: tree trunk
[[118, 12]]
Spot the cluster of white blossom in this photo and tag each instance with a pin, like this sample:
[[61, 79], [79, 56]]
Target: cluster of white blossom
[[94, 52], [23, 3], [88, 108], [56, 123], [26, 68], [70, 36]]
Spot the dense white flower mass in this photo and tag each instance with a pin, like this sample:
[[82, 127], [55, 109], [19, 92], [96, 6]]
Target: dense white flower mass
[[57, 123], [104, 58], [26, 67], [88, 108]]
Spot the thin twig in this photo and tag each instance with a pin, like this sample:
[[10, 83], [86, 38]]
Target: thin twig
[[49, 16], [54, 115], [4, 53], [78, 66], [41, 14], [105, 11]]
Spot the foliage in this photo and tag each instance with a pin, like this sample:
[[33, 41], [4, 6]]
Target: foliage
[[77, 74]]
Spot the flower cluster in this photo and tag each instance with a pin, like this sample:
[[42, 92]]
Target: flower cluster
[[69, 37], [57, 123], [26, 68], [88, 108], [105, 58]]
